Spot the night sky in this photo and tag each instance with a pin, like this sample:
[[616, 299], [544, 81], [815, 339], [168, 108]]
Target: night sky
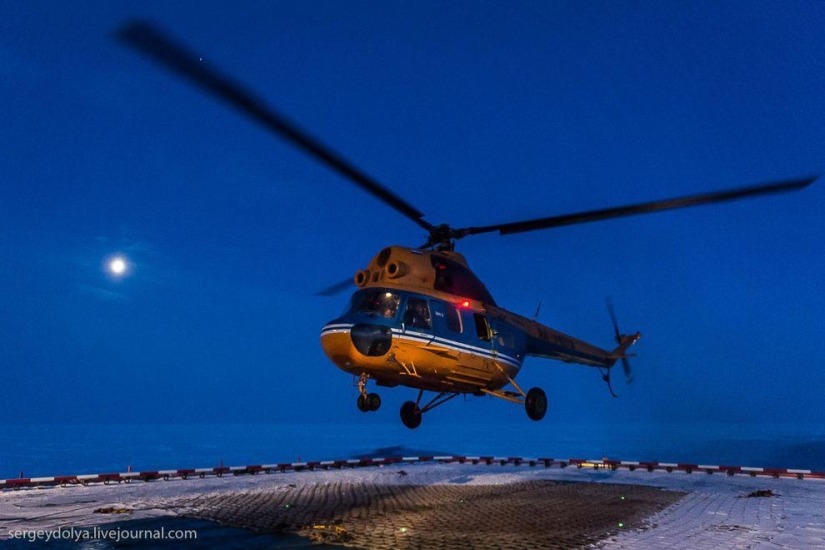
[[476, 113]]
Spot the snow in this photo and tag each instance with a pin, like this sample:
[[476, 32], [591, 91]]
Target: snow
[[715, 513]]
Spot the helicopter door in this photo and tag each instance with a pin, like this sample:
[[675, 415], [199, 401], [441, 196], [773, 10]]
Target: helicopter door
[[482, 327], [484, 332]]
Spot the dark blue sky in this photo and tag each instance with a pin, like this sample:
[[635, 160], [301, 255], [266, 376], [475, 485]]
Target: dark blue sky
[[476, 113]]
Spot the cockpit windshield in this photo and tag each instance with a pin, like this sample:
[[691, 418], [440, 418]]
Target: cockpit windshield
[[378, 302]]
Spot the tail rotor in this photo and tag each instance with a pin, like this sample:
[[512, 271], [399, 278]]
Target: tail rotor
[[624, 342]]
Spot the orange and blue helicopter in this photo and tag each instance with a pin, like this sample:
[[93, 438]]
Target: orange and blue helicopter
[[420, 317]]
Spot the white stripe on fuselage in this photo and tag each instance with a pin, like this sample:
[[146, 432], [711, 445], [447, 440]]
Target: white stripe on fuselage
[[423, 337]]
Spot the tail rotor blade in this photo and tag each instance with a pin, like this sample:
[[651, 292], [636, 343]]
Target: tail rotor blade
[[612, 313], [628, 375]]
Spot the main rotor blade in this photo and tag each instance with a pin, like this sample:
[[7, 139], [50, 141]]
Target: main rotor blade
[[641, 208], [338, 287], [152, 42]]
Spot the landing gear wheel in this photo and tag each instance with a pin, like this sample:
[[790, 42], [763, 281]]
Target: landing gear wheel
[[536, 404], [374, 401], [363, 403], [410, 415]]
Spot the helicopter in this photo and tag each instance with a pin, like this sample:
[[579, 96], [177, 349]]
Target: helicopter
[[420, 318]]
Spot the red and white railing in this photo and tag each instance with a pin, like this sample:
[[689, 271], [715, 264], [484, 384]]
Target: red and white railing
[[220, 471]]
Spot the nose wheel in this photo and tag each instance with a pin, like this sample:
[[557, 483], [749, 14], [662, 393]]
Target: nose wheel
[[369, 402]]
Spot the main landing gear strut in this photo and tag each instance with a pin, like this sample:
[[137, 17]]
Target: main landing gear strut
[[534, 401], [367, 402]]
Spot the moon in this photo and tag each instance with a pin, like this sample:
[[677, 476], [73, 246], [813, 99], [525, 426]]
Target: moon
[[117, 266]]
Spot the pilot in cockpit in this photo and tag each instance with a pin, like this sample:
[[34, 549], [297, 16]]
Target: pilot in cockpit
[[417, 314]]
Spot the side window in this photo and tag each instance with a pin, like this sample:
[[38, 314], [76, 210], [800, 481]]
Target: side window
[[454, 319], [505, 339], [417, 313], [482, 327]]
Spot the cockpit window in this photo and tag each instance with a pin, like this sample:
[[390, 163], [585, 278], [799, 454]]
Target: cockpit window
[[378, 302], [417, 313]]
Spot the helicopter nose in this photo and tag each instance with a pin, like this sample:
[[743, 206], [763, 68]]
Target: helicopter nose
[[371, 340]]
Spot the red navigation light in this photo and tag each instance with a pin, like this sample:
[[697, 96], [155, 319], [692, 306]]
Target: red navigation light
[[465, 303]]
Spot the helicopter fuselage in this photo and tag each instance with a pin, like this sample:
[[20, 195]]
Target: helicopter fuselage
[[406, 326]]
